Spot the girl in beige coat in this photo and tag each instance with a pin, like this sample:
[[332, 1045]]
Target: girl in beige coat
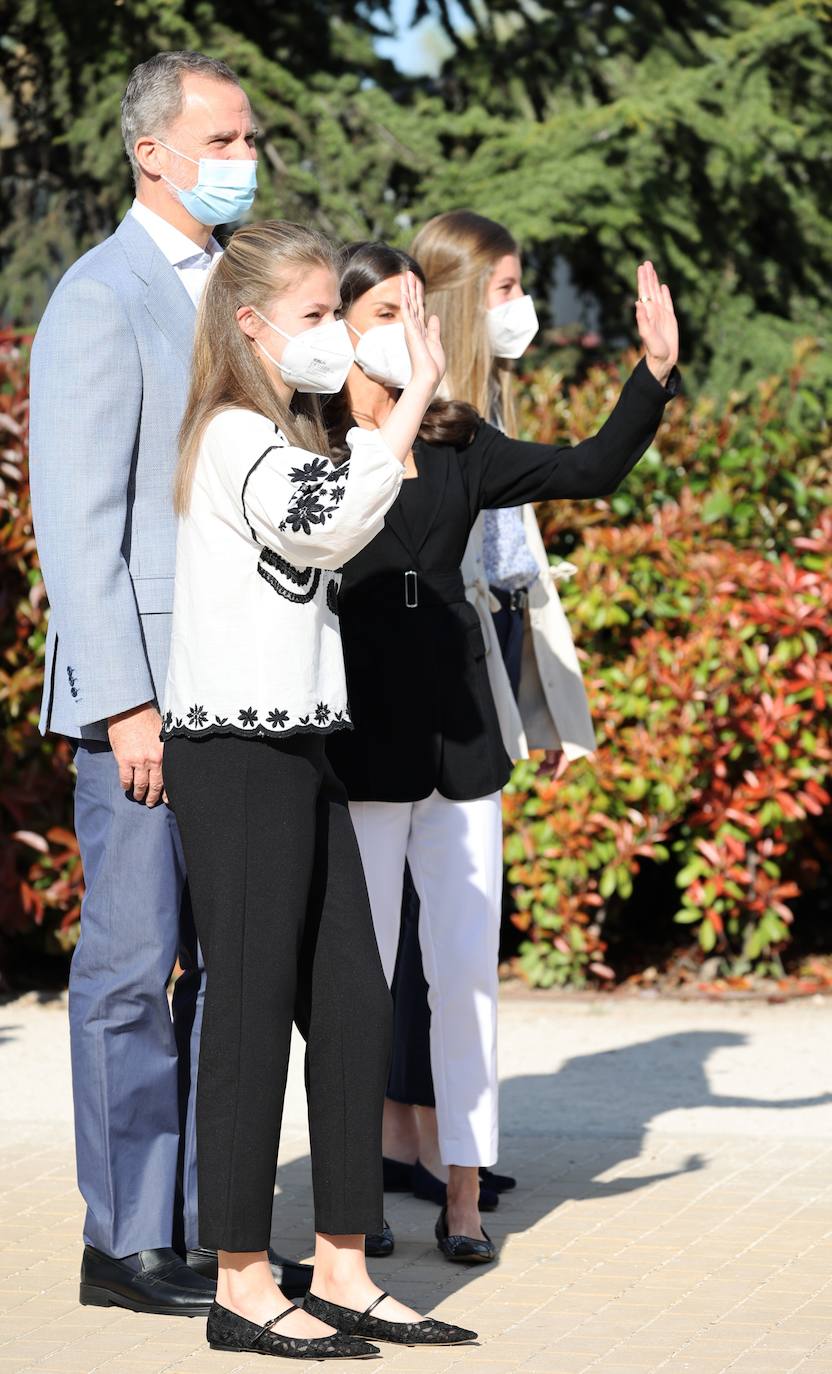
[[473, 271]]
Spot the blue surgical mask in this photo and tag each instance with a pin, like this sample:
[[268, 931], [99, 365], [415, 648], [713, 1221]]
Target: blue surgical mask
[[224, 189]]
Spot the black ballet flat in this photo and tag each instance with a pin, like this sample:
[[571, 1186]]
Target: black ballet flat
[[381, 1245], [227, 1331], [429, 1331], [501, 1183], [462, 1249], [428, 1188], [398, 1177]]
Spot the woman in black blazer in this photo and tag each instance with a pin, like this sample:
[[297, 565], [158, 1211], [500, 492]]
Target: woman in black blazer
[[425, 763]]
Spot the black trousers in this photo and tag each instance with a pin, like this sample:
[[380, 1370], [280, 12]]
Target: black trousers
[[510, 626], [411, 1077], [283, 917]]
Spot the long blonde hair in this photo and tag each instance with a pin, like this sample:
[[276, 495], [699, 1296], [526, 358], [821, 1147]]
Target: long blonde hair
[[458, 252], [260, 262]]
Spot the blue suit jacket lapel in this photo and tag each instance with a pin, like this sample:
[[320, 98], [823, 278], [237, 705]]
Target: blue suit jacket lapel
[[166, 299]]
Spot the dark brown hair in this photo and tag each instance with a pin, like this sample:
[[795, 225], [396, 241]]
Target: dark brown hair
[[361, 267]]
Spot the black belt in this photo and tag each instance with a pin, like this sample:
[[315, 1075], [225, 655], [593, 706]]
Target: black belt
[[517, 600], [411, 590]]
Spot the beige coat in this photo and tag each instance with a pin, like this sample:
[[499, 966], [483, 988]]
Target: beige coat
[[553, 712]]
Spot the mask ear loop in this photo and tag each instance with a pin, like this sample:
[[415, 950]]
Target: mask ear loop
[[275, 327], [177, 153], [356, 332]]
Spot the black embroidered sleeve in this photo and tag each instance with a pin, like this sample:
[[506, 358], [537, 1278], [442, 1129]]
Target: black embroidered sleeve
[[320, 489]]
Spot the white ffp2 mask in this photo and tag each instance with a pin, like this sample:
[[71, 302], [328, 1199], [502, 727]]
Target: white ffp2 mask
[[512, 326], [382, 353], [318, 360]]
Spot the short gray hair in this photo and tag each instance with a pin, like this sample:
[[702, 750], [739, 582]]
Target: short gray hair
[[153, 97]]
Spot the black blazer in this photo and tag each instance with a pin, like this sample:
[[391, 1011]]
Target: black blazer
[[421, 704]]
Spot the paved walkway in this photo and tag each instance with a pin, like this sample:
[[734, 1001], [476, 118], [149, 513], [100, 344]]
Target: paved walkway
[[674, 1210]]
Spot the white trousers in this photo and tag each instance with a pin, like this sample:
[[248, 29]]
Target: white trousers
[[455, 855]]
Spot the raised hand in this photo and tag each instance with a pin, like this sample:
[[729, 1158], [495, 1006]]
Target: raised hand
[[657, 324], [423, 342]]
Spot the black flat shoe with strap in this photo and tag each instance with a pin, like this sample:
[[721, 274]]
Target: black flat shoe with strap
[[463, 1249], [429, 1331], [228, 1331]]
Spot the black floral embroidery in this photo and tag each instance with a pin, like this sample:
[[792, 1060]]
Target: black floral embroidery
[[323, 719], [316, 471], [312, 504], [305, 510], [332, 596]]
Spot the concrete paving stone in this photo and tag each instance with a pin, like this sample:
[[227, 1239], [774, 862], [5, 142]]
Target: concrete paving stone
[[690, 1263], [551, 1363], [678, 1363], [73, 1362]]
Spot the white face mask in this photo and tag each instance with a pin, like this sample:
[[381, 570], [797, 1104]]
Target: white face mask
[[382, 354], [512, 326], [317, 360]]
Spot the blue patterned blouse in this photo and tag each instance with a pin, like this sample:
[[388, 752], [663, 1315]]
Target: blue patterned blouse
[[509, 562]]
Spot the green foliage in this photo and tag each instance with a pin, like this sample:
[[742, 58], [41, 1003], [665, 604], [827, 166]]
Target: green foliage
[[693, 133], [328, 147], [711, 158]]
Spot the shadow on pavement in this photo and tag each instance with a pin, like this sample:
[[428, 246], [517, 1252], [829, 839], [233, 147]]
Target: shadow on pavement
[[561, 1132]]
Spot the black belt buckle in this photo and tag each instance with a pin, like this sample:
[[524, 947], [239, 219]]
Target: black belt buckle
[[411, 589], [519, 599]]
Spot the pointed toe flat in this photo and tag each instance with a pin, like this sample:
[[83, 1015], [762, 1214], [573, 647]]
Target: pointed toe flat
[[228, 1331], [463, 1249], [429, 1331]]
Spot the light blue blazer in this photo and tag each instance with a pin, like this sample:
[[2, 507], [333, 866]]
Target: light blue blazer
[[109, 379]]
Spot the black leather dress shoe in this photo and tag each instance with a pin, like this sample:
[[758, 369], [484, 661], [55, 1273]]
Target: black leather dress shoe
[[501, 1183], [290, 1275], [429, 1331], [463, 1249], [380, 1245], [429, 1188], [227, 1331], [161, 1283]]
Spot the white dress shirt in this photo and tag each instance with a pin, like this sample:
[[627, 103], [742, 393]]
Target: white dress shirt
[[191, 263]]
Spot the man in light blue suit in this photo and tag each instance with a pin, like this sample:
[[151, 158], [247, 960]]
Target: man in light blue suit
[[109, 380]]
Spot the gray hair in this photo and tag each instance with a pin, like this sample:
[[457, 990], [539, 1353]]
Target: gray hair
[[153, 97]]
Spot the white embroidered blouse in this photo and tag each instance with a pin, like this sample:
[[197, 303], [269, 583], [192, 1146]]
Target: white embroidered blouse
[[255, 641]]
